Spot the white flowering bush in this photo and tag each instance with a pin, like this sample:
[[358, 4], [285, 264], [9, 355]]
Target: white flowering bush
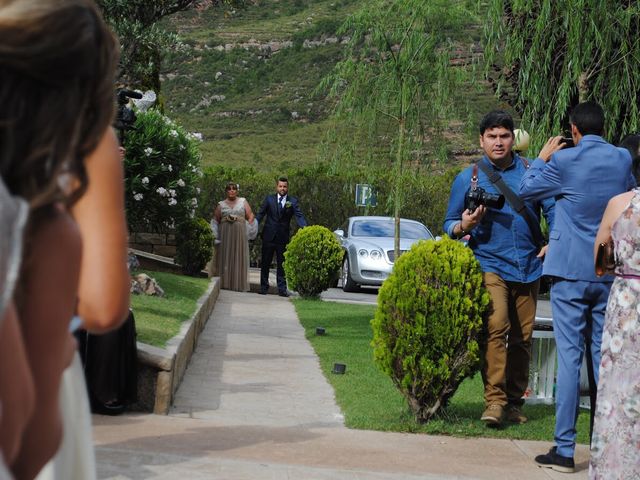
[[162, 168]]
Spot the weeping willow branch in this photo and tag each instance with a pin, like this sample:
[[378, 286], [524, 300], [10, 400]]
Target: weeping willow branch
[[546, 58], [397, 58]]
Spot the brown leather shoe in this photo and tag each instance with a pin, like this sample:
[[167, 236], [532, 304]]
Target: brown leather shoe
[[493, 415], [513, 414]]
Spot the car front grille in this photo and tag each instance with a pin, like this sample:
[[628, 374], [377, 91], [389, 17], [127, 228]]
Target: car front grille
[[392, 255], [373, 274]]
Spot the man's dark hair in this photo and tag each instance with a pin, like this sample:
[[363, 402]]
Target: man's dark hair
[[496, 118], [588, 117], [283, 179]]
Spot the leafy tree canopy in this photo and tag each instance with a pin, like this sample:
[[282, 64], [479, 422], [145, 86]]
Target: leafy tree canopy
[[143, 42], [545, 57]]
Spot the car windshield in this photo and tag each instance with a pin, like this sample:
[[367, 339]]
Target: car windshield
[[385, 228]]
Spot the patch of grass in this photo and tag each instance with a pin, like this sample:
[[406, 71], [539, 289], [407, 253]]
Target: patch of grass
[[158, 319], [284, 149], [258, 111], [369, 400]]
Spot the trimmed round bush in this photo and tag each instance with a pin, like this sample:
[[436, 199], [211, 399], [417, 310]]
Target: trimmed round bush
[[426, 326], [194, 243], [312, 261]]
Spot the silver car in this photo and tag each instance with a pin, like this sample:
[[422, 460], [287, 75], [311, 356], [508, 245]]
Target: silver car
[[368, 248]]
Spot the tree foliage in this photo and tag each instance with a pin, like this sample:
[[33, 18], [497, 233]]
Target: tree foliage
[[143, 41], [425, 329], [544, 57], [395, 81]]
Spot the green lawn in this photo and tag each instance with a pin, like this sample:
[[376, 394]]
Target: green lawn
[[158, 319], [369, 400]]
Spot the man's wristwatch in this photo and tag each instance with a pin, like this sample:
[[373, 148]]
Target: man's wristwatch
[[463, 232]]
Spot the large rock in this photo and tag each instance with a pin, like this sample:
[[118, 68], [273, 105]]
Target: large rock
[[143, 283]]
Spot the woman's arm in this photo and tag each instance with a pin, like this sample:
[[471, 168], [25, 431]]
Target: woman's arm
[[103, 294], [614, 209], [248, 212]]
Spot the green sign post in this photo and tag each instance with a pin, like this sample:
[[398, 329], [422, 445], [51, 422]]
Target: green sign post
[[365, 195]]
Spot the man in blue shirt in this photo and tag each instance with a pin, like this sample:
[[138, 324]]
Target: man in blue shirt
[[511, 260], [583, 180]]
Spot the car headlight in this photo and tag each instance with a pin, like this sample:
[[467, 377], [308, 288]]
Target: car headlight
[[376, 255]]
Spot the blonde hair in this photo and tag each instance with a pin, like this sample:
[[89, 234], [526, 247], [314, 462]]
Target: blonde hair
[[57, 71]]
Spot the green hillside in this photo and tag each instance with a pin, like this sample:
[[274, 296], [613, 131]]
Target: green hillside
[[246, 78]]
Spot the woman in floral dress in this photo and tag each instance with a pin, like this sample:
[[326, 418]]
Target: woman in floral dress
[[615, 446]]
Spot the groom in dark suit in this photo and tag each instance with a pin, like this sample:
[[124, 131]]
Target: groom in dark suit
[[278, 209]]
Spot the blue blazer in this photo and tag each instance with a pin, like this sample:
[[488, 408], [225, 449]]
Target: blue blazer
[[582, 180], [276, 225]]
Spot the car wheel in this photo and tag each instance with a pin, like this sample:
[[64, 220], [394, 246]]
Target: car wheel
[[348, 285]]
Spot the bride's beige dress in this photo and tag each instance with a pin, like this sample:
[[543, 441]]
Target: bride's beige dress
[[233, 251]]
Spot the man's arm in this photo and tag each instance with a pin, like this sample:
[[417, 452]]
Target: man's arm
[[548, 206], [455, 207], [542, 179], [300, 220], [263, 209]]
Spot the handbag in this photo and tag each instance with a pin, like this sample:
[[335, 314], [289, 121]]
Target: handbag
[[605, 258]]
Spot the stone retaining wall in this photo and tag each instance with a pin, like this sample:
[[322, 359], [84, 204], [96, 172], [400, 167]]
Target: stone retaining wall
[[163, 244], [160, 370]]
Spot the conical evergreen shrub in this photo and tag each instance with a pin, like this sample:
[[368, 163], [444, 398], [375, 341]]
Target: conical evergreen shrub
[[425, 329]]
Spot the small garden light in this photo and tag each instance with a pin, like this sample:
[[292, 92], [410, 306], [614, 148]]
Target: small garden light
[[339, 368]]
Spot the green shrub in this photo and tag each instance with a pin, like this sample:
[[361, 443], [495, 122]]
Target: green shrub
[[426, 325], [162, 167], [194, 241], [312, 261]]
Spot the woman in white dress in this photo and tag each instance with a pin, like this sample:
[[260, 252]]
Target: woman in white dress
[[57, 69], [16, 383]]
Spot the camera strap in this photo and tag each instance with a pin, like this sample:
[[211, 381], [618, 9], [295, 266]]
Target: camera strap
[[513, 198]]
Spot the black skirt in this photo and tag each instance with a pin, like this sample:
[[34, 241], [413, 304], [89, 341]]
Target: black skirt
[[111, 367]]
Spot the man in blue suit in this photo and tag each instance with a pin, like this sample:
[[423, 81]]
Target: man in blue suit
[[278, 209], [582, 180]]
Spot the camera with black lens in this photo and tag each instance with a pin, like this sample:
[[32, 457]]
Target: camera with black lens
[[568, 142], [479, 196], [125, 116]]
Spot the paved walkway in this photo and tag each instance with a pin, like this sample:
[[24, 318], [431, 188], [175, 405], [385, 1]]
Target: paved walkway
[[255, 405]]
